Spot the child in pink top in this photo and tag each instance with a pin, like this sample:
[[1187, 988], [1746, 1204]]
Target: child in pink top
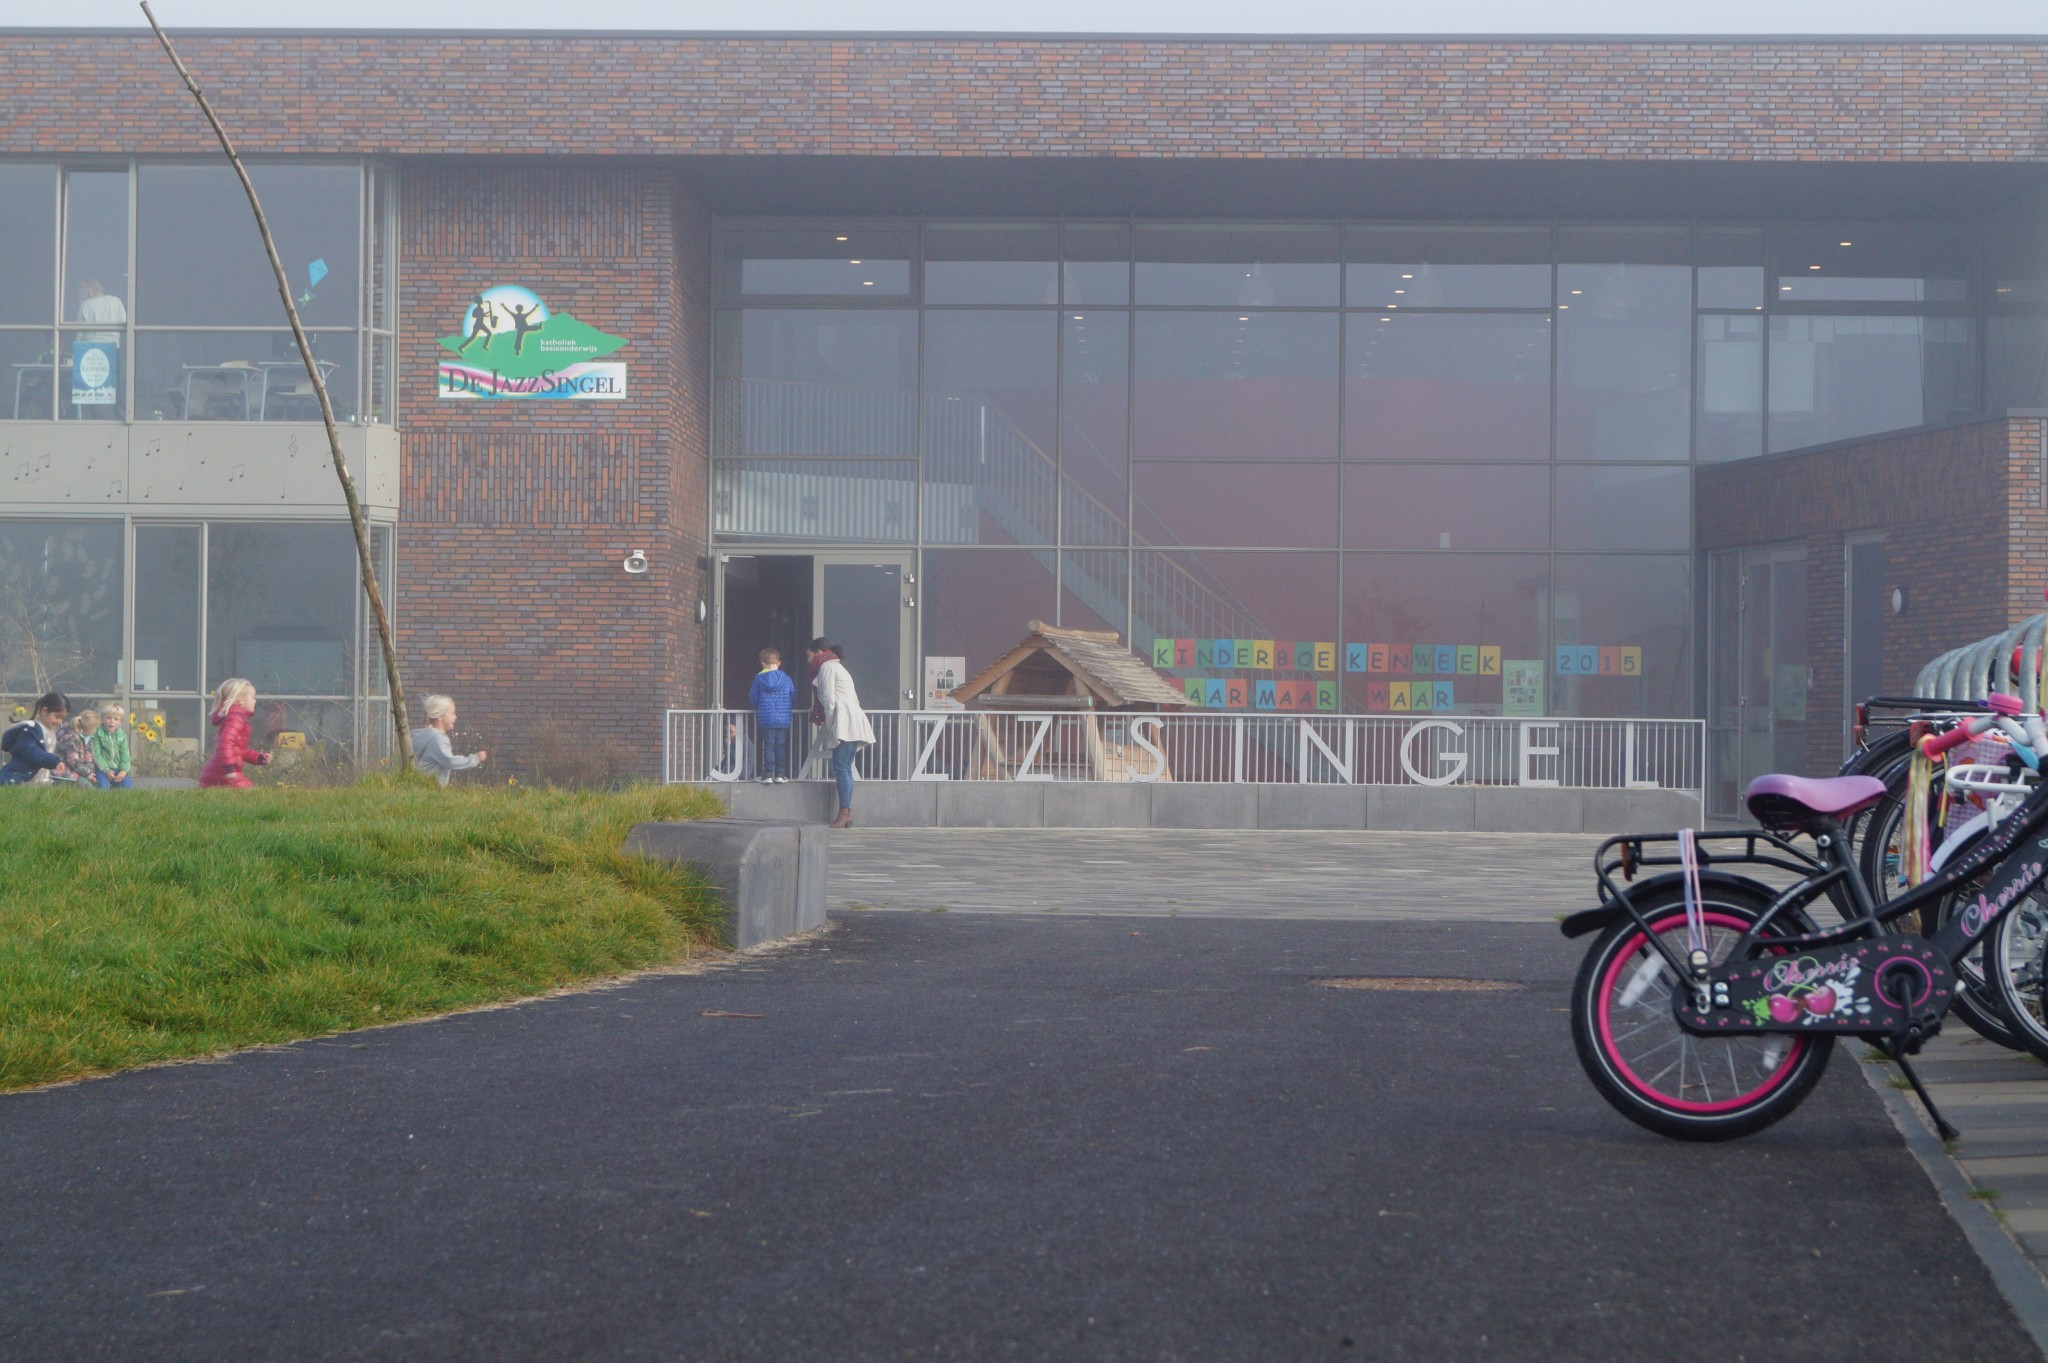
[[234, 703]]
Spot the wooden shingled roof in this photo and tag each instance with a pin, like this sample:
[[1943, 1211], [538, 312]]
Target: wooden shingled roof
[[1081, 663]]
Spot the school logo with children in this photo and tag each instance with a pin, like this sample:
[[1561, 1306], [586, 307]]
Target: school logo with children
[[511, 345]]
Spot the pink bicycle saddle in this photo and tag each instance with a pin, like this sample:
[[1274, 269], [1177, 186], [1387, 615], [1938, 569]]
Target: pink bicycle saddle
[[1767, 796]]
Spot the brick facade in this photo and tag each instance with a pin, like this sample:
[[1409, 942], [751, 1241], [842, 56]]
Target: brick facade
[[1965, 530], [409, 94], [515, 516]]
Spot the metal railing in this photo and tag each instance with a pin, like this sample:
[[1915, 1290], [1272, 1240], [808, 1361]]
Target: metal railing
[[1084, 746]]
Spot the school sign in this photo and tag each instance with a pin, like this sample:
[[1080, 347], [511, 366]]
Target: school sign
[[511, 345]]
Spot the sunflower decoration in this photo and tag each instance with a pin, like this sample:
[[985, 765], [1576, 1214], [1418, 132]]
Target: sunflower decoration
[[150, 727]]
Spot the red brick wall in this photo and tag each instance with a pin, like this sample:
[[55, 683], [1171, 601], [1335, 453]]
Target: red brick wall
[[515, 515], [1966, 538], [439, 93]]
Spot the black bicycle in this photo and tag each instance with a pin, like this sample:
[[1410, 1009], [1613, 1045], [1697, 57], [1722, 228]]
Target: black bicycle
[[1709, 1004]]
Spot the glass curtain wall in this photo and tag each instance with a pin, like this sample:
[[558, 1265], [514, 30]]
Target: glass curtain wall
[[156, 614], [1312, 466], [140, 291]]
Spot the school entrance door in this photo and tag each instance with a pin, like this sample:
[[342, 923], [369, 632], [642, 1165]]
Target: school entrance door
[[1758, 679], [864, 602]]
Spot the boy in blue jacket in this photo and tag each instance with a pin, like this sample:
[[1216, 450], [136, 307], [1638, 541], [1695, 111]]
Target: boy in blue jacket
[[772, 695]]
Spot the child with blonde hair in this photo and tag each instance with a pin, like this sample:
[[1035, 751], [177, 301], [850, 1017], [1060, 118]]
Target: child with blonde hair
[[74, 746], [110, 748], [234, 705]]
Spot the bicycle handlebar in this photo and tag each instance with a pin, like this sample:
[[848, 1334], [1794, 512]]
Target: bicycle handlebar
[[1934, 745]]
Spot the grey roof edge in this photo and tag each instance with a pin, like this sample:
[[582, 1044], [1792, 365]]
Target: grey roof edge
[[1023, 35]]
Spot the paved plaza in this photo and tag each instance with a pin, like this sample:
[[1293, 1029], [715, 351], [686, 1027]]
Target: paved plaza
[[1484, 877]]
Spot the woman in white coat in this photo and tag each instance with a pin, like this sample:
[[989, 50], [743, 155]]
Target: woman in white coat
[[843, 725]]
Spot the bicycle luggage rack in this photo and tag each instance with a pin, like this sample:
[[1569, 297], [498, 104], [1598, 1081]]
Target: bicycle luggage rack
[[1632, 857]]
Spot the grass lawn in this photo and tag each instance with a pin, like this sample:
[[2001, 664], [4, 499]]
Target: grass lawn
[[158, 924]]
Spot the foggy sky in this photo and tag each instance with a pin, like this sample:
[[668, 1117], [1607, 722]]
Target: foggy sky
[[2017, 17]]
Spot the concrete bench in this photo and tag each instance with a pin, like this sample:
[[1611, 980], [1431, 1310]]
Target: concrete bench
[[769, 876]]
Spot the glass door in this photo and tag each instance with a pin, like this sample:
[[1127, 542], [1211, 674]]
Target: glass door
[[1758, 669], [865, 603]]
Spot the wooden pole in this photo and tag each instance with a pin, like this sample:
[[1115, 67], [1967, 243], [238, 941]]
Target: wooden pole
[[357, 521]]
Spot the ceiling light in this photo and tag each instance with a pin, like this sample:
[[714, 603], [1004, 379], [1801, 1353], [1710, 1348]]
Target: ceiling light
[[1077, 317], [1244, 319], [839, 238], [1407, 276], [1848, 243], [1577, 292], [867, 283], [1813, 267], [853, 262], [1400, 291]]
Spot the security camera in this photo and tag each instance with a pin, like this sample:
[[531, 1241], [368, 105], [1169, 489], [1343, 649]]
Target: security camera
[[636, 562]]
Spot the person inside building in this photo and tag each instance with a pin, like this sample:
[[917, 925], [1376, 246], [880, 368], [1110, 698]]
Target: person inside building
[[843, 726], [31, 745], [431, 751], [100, 308]]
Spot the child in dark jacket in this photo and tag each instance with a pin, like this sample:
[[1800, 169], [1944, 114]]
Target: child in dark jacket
[[31, 745], [772, 695]]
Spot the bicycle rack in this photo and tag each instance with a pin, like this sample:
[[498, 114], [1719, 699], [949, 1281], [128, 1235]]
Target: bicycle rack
[[1975, 670]]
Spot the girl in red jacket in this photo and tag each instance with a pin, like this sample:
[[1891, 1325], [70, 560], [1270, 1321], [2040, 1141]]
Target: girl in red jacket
[[233, 705]]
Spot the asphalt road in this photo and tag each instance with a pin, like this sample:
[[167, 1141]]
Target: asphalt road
[[974, 1137]]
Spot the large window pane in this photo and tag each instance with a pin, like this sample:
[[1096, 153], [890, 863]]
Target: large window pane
[[29, 371], [1226, 385], [166, 608], [1619, 507], [1447, 386], [799, 499], [1097, 264], [200, 261], [848, 261], [280, 607], [1407, 614], [28, 244], [837, 383], [1446, 506], [991, 263], [1231, 595], [383, 291], [978, 603], [1095, 589], [1731, 388], [1255, 267], [1731, 265], [240, 376], [1610, 605], [1871, 265], [2016, 324], [60, 607], [1095, 431], [1254, 505], [96, 286], [1836, 378], [1447, 267], [1624, 362], [989, 412]]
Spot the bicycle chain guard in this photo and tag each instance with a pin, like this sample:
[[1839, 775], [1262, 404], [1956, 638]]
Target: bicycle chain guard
[[1882, 986]]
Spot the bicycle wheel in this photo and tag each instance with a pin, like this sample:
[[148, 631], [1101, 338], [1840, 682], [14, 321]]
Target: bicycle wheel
[[1654, 1072], [2013, 963], [1976, 1002]]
